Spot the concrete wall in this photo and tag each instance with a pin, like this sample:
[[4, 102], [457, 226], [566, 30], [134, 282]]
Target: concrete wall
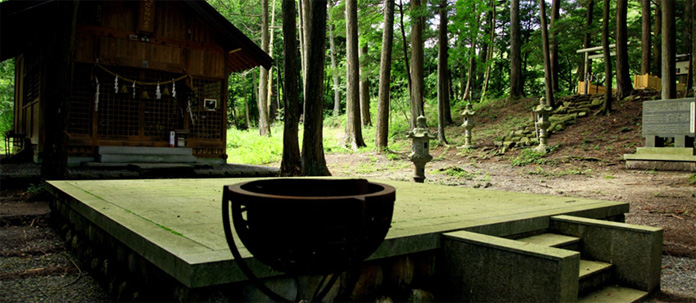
[[481, 268], [635, 251]]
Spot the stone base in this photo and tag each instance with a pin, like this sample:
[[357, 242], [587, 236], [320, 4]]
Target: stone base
[[662, 158], [661, 165]]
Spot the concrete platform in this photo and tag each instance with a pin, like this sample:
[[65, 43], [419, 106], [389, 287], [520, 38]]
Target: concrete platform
[[662, 158], [177, 225]]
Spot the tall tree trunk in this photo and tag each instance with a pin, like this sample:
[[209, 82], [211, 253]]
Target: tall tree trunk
[[547, 61], [693, 46], [403, 37], [364, 89], [489, 63], [353, 135], [417, 64], [688, 20], [291, 164], [606, 107], [448, 102], [472, 57], [334, 69], [516, 90], [553, 43], [586, 66], [442, 91], [669, 47], [462, 78], [271, 112], [304, 32], [645, 38], [382, 136], [624, 88], [264, 123], [59, 65], [246, 101], [657, 45], [313, 160]]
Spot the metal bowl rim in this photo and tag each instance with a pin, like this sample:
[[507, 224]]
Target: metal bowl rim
[[237, 189]]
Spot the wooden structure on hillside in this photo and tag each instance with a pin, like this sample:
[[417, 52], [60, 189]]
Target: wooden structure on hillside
[[143, 69]]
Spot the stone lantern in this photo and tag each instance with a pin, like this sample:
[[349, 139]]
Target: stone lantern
[[468, 124], [542, 123], [420, 154]]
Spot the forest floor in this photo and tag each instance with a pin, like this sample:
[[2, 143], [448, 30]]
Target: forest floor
[[585, 161]]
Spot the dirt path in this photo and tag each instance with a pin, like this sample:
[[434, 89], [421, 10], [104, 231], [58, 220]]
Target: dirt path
[[660, 199]]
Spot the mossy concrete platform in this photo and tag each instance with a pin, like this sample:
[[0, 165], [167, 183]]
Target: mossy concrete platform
[[176, 224]]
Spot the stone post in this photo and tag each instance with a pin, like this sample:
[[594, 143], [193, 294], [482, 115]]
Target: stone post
[[542, 124], [420, 154]]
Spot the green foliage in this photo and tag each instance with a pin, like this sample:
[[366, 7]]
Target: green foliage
[[247, 147], [458, 172], [529, 156], [692, 179], [7, 75], [36, 189]]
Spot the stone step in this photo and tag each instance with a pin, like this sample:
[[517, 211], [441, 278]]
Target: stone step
[[593, 275], [613, 294], [143, 150], [554, 240], [134, 158], [140, 154]]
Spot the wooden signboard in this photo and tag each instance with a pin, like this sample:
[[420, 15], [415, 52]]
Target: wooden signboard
[[146, 17]]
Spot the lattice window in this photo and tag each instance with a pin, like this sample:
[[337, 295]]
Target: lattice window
[[160, 116], [82, 97], [123, 116], [143, 116], [118, 113], [207, 123]]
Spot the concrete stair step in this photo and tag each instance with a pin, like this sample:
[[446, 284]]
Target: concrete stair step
[[593, 275], [554, 240], [141, 154], [146, 158], [143, 150], [613, 294]]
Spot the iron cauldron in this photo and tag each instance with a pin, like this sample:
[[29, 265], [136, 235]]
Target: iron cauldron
[[309, 226]]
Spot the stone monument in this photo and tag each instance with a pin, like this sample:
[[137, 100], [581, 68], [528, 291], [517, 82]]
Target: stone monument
[[669, 128], [420, 154], [468, 124], [542, 124]]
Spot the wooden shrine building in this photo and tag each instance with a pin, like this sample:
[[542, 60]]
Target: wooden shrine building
[[144, 71]]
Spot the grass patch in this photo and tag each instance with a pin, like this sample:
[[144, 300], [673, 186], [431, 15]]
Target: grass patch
[[529, 156], [692, 179], [247, 147], [457, 172]]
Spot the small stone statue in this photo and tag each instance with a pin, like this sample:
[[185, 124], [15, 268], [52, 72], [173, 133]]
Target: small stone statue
[[542, 124], [420, 154]]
